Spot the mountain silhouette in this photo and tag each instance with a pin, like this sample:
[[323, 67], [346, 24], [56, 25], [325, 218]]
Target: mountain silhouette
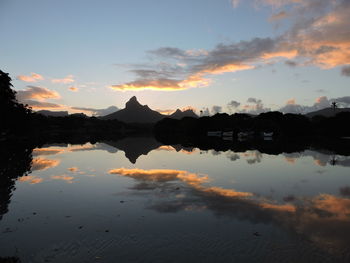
[[134, 112]]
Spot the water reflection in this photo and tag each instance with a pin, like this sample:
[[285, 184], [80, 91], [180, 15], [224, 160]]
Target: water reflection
[[324, 219], [248, 186]]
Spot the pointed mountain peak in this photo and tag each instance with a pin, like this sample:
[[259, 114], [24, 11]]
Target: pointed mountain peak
[[178, 111], [132, 103], [133, 98]]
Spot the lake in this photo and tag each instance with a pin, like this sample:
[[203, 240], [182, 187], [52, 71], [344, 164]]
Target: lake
[[137, 200]]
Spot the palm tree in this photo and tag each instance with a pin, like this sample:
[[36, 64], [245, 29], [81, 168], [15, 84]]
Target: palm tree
[[334, 105]]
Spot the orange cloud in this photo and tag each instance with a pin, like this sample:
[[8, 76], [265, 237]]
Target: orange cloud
[[30, 179], [165, 112], [160, 175], [224, 192], [37, 93], [194, 180], [291, 101], [216, 70], [172, 149], [46, 151], [290, 160], [166, 148], [284, 54], [195, 80], [188, 151], [68, 79], [278, 16], [34, 77], [326, 41], [283, 208], [73, 169], [43, 164], [68, 179], [196, 52], [37, 105], [74, 89], [189, 108], [320, 163], [335, 206], [157, 84], [85, 147]]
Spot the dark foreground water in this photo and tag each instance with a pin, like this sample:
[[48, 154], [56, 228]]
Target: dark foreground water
[[136, 200]]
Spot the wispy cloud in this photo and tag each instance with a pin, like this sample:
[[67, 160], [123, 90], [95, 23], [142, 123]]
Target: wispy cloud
[[278, 16], [66, 80], [64, 177], [47, 151], [96, 112], [43, 105]]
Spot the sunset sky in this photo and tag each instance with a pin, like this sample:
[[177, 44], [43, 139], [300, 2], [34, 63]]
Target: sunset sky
[[211, 55]]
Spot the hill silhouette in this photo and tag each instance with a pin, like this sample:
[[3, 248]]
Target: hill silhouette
[[134, 112], [327, 112], [178, 114], [53, 113]]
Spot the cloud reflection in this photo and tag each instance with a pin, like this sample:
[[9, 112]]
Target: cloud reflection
[[43, 164], [31, 179], [323, 218], [64, 177], [47, 151]]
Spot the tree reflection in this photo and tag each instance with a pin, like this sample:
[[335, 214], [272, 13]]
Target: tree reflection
[[15, 161]]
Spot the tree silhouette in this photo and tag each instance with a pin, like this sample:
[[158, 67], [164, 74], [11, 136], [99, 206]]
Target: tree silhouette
[[13, 114], [7, 95]]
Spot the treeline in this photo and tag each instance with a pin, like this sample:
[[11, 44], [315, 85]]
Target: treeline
[[291, 125], [38, 127]]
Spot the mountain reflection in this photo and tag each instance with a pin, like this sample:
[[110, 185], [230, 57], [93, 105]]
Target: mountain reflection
[[233, 184]]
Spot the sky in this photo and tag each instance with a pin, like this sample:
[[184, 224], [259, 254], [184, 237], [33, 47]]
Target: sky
[[212, 56]]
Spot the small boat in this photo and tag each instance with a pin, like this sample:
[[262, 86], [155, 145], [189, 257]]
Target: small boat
[[227, 134], [245, 134], [214, 133], [267, 134]]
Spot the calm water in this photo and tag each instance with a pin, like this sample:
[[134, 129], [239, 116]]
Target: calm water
[[136, 200]]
